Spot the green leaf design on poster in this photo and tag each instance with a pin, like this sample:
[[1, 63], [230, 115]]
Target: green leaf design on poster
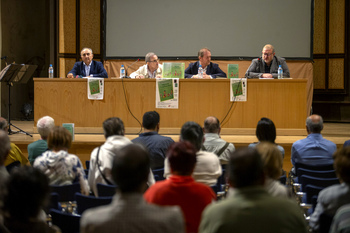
[[165, 88], [173, 70], [232, 71], [237, 89], [94, 87]]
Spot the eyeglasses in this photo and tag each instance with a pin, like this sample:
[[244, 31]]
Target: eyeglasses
[[85, 54], [267, 54], [155, 60]]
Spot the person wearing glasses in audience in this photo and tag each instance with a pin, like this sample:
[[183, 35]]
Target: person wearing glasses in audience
[[152, 68], [87, 67], [267, 65]]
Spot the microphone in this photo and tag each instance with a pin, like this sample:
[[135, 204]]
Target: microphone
[[126, 71]]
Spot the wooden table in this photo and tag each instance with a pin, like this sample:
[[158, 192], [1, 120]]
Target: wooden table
[[283, 101]]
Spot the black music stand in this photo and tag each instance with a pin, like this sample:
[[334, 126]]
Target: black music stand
[[15, 73]]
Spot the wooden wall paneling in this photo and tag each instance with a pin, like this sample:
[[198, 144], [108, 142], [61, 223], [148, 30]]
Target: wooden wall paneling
[[336, 73], [319, 27], [337, 26], [66, 64], [320, 74], [67, 26], [90, 21]]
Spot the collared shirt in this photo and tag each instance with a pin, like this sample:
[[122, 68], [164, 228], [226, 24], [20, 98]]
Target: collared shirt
[[87, 69], [150, 74], [157, 145], [313, 149]]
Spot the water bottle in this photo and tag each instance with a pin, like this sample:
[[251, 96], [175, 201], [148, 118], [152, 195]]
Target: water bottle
[[280, 72], [122, 72], [200, 71], [50, 71]]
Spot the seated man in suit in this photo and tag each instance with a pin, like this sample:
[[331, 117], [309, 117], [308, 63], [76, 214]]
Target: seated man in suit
[[152, 68], [267, 65], [210, 70], [88, 67]]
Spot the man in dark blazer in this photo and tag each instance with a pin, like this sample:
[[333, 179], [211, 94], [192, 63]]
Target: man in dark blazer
[[87, 67], [211, 70]]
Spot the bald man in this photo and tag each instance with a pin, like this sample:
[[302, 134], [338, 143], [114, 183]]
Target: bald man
[[267, 65], [314, 149]]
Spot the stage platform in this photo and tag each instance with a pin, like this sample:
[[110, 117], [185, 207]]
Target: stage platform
[[84, 143]]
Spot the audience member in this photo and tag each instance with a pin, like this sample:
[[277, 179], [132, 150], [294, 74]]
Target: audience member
[[61, 167], [266, 132], [208, 168], [314, 149], [87, 67], [346, 143], [251, 208], [156, 144], [335, 196], [213, 142], [267, 65], [210, 70], [5, 147], [27, 196], [273, 163], [44, 126], [341, 220], [181, 189], [128, 211], [15, 153], [152, 68]]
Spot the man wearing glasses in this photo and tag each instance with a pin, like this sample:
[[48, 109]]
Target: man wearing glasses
[[267, 65], [152, 68], [210, 69], [87, 67]]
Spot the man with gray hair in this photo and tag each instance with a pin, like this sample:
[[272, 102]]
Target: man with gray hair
[[213, 142], [87, 67], [314, 149], [152, 68], [101, 159], [44, 126]]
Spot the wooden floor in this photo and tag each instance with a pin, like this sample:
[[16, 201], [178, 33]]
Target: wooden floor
[[85, 143]]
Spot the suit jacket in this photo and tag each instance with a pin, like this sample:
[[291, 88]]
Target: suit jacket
[[212, 69], [257, 68], [96, 69]]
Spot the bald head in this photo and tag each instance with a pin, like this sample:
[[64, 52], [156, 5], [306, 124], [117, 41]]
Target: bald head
[[212, 125], [3, 124], [314, 124]]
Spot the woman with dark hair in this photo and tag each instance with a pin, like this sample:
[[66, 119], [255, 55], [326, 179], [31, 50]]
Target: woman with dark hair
[[266, 132], [61, 167]]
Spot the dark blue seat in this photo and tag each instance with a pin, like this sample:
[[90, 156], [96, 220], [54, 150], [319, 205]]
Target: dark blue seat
[[87, 164], [283, 179], [317, 173], [314, 167], [105, 190], [321, 182], [68, 223], [311, 190], [66, 192], [158, 174], [54, 201], [87, 202]]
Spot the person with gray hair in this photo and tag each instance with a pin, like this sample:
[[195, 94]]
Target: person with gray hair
[[152, 68], [35, 149], [101, 159], [213, 141], [314, 149], [208, 167], [15, 154], [5, 147], [87, 67], [267, 65]]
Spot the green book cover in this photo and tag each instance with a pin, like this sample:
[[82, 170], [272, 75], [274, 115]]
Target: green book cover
[[70, 128], [232, 71], [173, 70], [165, 88], [94, 87], [237, 89]]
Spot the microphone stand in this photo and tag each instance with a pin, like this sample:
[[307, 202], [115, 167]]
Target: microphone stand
[[126, 71]]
